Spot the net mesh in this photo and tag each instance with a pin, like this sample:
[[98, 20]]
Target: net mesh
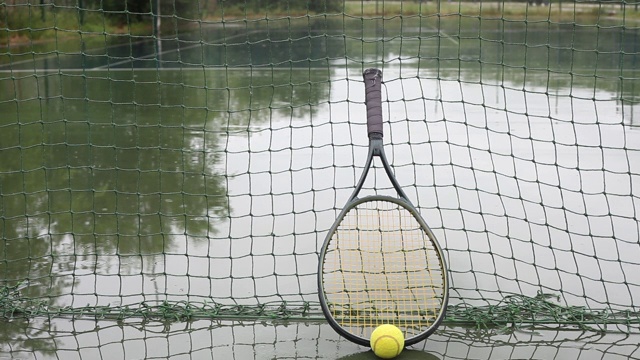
[[178, 159]]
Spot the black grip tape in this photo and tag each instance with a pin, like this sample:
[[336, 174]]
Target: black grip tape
[[373, 101]]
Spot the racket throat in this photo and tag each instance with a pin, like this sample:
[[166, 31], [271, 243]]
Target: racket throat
[[376, 149], [376, 145]]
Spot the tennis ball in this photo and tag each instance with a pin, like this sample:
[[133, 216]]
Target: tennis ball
[[387, 341]]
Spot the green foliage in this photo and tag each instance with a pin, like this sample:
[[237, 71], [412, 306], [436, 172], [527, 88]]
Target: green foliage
[[28, 23], [138, 10], [324, 6], [317, 6]]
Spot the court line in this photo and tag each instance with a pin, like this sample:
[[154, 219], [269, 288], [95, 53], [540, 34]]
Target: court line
[[190, 68], [445, 35], [55, 53], [168, 51]]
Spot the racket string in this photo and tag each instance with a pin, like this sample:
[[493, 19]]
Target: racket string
[[384, 269]]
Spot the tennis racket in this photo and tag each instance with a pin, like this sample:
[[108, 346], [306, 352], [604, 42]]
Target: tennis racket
[[380, 263]]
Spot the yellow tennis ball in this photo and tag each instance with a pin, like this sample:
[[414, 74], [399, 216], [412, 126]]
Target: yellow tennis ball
[[387, 341]]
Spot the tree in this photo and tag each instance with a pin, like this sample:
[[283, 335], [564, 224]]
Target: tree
[[137, 10], [319, 6]]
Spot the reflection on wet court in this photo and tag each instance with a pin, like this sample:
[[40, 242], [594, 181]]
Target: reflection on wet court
[[208, 167]]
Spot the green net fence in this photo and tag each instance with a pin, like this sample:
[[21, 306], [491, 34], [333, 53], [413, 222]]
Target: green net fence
[[176, 160]]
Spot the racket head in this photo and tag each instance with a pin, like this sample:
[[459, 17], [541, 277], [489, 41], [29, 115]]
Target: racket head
[[381, 264]]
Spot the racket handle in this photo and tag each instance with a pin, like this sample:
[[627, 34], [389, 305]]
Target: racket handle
[[373, 101]]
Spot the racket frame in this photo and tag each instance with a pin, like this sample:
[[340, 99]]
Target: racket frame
[[355, 201]]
